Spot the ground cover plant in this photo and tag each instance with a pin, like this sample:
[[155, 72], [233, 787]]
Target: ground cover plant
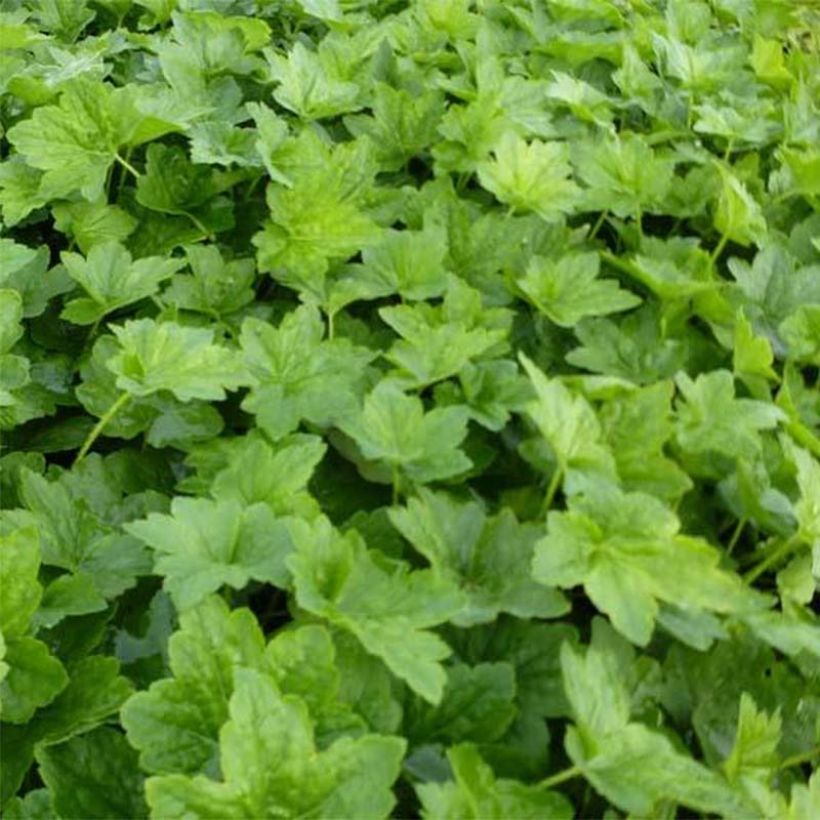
[[409, 408]]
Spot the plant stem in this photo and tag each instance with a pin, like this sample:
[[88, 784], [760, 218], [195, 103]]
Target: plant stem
[[773, 558], [623, 265], [800, 759], [109, 414], [560, 777], [552, 489], [718, 249], [735, 536], [199, 226], [127, 165], [599, 222], [639, 224], [396, 480]]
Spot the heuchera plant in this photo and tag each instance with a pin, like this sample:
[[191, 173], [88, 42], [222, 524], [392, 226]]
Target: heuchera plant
[[409, 409]]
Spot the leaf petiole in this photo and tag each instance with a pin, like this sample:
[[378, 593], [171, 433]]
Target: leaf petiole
[[800, 759], [96, 431], [127, 165], [552, 489], [561, 777], [770, 560]]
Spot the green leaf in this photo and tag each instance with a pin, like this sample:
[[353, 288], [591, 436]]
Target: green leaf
[[476, 793], [402, 125], [271, 765], [535, 176], [388, 608], [93, 223], [627, 551], [95, 692], [410, 263], [801, 332], [112, 280], [754, 754], [309, 85], [175, 724], [20, 590], [94, 775], [156, 356], [807, 508], [632, 766], [35, 805], [259, 473], [752, 355], [568, 289], [623, 174], [203, 545], [75, 539], [311, 224], [296, 374], [570, 427], [438, 342], [488, 558], [637, 769], [738, 215], [477, 706], [76, 141], [711, 419], [33, 676], [11, 315], [173, 185], [638, 426], [393, 427], [594, 687], [214, 285]]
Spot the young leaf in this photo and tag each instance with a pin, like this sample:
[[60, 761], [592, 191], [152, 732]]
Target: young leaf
[[625, 548], [392, 427], [203, 545], [112, 279], [534, 176], [488, 558], [475, 793], [156, 356], [175, 723], [568, 289], [270, 764], [296, 374], [389, 609]]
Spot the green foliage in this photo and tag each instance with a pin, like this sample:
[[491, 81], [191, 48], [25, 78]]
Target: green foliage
[[409, 409]]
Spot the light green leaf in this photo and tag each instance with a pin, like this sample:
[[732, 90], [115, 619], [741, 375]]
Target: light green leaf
[[388, 608], [309, 85], [568, 289], [112, 279], [203, 545], [534, 176], [296, 374], [156, 356], [175, 723], [476, 793], [626, 549], [711, 419], [738, 215], [271, 766], [392, 427], [488, 558], [754, 754], [570, 427]]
